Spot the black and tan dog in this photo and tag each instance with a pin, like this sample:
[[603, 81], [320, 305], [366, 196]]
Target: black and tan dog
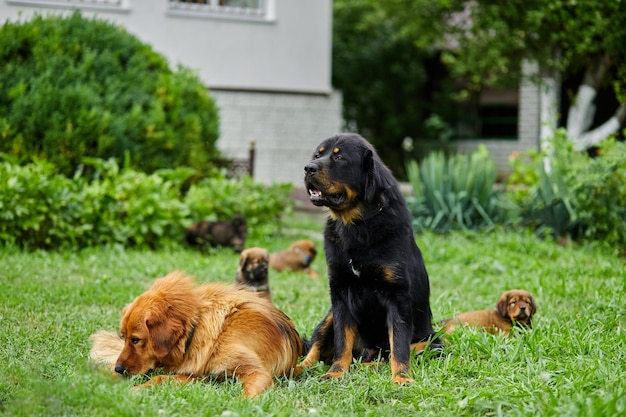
[[219, 233], [252, 272], [379, 288], [515, 307], [298, 257]]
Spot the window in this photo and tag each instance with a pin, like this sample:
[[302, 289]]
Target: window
[[491, 115], [237, 9]]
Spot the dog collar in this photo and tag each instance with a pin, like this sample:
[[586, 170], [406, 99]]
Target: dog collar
[[192, 330], [307, 258], [374, 211]]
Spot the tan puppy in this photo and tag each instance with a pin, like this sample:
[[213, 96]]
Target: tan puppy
[[198, 331], [253, 271], [298, 257], [515, 307]]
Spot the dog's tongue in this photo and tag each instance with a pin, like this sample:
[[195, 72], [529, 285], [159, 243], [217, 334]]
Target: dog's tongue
[[315, 194]]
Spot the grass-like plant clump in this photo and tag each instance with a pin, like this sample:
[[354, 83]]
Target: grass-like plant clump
[[569, 364]]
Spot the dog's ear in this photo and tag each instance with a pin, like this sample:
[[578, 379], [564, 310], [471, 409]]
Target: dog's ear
[[371, 180], [502, 305], [238, 220], [165, 331], [243, 261]]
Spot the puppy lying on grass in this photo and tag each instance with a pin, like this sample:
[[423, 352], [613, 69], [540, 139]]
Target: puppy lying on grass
[[515, 307], [298, 257]]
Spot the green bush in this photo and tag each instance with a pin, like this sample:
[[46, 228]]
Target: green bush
[[548, 206], [577, 196], [26, 196], [40, 208], [133, 208], [456, 192], [219, 198], [72, 87], [600, 191]]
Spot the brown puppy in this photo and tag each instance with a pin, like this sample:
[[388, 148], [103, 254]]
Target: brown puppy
[[515, 307], [221, 233], [198, 331], [253, 271], [298, 257]]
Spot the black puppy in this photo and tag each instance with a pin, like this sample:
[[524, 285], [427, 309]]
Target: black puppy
[[379, 289], [221, 233]]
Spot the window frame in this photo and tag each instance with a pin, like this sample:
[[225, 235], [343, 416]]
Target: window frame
[[212, 9]]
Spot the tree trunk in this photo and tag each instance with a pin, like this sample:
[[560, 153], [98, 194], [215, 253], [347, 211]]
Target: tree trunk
[[581, 112]]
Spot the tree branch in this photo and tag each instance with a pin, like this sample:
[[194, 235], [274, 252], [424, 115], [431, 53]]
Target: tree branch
[[603, 131], [581, 112]]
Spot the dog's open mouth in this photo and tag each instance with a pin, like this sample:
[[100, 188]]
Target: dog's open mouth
[[320, 199], [315, 195]]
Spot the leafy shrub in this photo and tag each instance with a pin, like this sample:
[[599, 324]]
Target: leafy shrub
[[133, 208], [40, 208], [456, 192], [548, 206], [577, 196], [600, 191], [219, 198], [72, 87], [524, 175], [26, 196]]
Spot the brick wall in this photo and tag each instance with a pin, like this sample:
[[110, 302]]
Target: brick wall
[[285, 127]]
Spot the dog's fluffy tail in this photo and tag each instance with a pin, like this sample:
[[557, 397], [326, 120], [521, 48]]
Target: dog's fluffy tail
[[105, 348]]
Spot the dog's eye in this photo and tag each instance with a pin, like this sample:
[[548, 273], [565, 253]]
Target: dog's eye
[[339, 158], [135, 340]]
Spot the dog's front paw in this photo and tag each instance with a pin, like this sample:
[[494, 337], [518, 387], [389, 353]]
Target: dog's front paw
[[335, 371], [155, 380], [401, 378]]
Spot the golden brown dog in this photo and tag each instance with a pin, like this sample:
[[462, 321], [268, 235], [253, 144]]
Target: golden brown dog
[[252, 272], [515, 307], [298, 257], [198, 331]]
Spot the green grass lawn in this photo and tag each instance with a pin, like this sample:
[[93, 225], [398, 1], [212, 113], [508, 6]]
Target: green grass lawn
[[573, 362]]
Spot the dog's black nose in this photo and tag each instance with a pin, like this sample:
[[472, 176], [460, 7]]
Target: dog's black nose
[[120, 369], [523, 308], [310, 169]]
